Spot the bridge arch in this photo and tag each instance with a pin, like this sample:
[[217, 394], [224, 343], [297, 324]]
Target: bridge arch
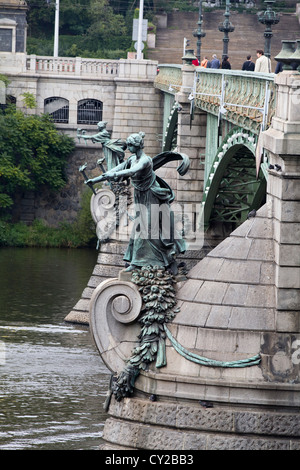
[[232, 188], [170, 137]]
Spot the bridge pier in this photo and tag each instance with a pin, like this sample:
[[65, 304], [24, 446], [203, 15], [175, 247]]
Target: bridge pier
[[282, 141], [232, 378], [191, 139]]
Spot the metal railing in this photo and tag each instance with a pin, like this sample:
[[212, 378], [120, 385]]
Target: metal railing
[[57, 108], [246, 99], [169, 78], [89, 111]]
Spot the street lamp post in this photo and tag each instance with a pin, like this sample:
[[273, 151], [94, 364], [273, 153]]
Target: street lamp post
[[226, 27], [198, 33], [269, 18], [56, 29], [139, 54]]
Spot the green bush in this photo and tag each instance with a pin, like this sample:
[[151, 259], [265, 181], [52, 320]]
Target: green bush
[[33, 154], [81, 233]]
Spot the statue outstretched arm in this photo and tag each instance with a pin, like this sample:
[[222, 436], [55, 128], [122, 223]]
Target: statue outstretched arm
[[109, 175], [118, 172]]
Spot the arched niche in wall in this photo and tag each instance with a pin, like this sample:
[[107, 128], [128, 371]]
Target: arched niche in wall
[[58, 108], [89, 111]]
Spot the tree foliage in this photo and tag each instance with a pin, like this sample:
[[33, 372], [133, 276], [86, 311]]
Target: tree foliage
[[33, 154], [85, 27]]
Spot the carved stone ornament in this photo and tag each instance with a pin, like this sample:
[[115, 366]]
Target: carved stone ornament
[[114, 307]]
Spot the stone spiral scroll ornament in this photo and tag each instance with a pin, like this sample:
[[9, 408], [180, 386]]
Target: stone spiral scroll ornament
[[114, 308], [132, 314], [157, 290], [119, 299]]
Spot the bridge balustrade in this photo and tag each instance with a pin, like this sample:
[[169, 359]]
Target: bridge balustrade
[[246, 99], [72, 66]]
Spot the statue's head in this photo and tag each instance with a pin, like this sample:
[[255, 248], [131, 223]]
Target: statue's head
[[101, 124], [136, 139]]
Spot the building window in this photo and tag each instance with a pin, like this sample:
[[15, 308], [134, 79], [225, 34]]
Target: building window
[[7, 35], [57, 108], [89, 111], [6, 39]]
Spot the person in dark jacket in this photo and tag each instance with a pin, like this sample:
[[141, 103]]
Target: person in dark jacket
[[248, 65], [215, 63], [226, 63], [279, 67]]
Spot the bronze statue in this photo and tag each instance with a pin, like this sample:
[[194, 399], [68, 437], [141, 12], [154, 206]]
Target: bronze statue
[[153, 240], [113, 149]]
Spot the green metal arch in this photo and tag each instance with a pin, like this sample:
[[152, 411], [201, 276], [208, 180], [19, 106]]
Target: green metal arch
[[170, 140], [232, 189]]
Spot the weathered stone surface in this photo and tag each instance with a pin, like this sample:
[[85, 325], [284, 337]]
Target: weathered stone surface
[[186, 426], [230, 309]]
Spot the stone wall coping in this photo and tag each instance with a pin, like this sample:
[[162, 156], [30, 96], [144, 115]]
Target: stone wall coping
[[187, 379]]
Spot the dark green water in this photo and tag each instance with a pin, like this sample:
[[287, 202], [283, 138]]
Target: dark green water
[[52, 380]]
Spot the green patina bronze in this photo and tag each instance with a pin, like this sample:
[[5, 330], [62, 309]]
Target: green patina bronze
[[113, 149], [204, 361], [153, 266], [157, 289], [149, 244]]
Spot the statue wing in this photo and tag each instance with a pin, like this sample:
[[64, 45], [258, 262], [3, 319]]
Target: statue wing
[[166, 157]]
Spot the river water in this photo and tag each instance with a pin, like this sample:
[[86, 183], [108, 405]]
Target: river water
[[52, 380]]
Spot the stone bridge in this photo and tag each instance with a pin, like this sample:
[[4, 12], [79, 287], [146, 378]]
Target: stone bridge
[[224, 113], [234, 344], [231, 377], [214, 116], [80, 92]]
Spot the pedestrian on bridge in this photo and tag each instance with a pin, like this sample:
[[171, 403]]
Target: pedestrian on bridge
[[248, 65], [204, 62], [263, 63], [225, 63], [215, 63]]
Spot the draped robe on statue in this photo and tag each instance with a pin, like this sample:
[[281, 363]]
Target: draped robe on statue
[[153, 240]]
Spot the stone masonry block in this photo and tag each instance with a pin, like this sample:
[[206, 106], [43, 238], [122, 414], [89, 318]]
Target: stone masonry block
[[285, 232], [177, 365], [240, 271], [287, 255], [267, 273], [288, 277], [208, 268], [192, 314], [219, 316], [287, 211], [261, 249], [189, 185], [216, 340], [236, 294], [260, 296], [189, 290], [287, 321], [211, 292], [288, 299], [252, 319], [187, 336], [232, 248]]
